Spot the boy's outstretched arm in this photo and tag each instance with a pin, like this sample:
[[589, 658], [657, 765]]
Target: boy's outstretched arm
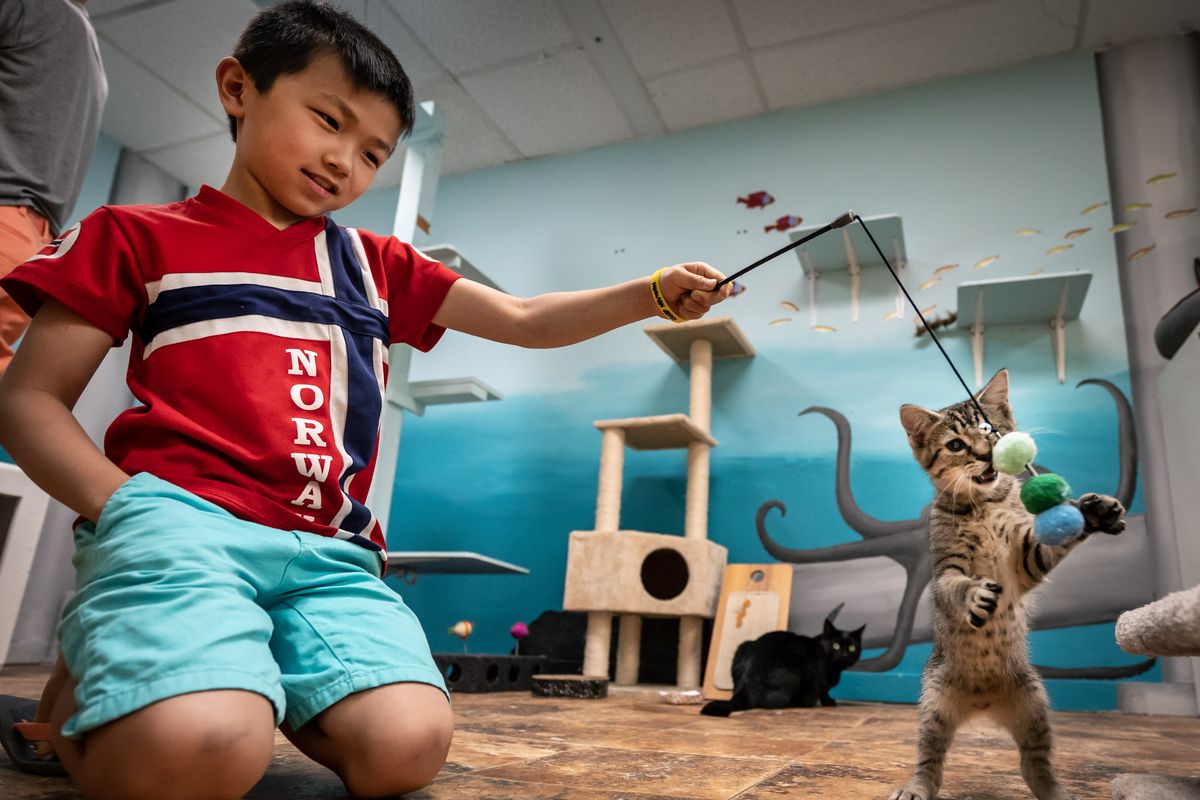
[[53, 365], [562, 318]]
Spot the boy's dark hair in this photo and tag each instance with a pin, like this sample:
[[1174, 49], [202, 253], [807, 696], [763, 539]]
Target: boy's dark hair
[[284, 39]]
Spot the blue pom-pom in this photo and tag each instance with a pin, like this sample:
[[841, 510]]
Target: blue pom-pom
[[1058, 525]]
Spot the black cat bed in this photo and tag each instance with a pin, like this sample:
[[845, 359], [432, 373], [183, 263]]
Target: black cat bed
[[469, 673]]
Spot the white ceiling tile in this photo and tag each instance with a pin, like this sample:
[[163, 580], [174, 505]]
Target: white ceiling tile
[[472, 139], [952, 42], [165, 39], [384, 22], [768, 22], [657, 42], [553, 105], [712, 93], [467, 34], [98, 8], [1110, 21], [142, 112], [204, 161]]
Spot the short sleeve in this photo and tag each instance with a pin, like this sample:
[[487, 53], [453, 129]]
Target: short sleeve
[[416, 287], [90, 269]]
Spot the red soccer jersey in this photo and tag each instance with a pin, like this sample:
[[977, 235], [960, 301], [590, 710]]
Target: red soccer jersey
[[259, 355]]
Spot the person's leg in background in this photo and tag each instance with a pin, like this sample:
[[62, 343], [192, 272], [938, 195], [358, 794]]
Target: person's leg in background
[[23, 232]]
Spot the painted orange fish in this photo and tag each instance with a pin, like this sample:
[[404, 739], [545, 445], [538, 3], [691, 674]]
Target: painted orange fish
[[1141, 252], [1062, 248], [944, 269], [784, 223], [983, 262], [789, 305], [1136, 206], [1093, 207], [780, 321], [1121, 227], [756, 200], [930, 282], [824, 328], [1075, 234], [891, 315], [1180, 212]]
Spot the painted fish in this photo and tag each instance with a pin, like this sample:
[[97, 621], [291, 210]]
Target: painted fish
[[462, 629], [1027, 231], [926, 311], [1075, 234], [824, 328], [891, 316], [983, 262], [756, 200], [1093, 207], [1121, 227], [423, 224], [1180, 212], [1141, 252], [1036, 272], [1062, 248], [780, 321], [1136, 206], [783, 223], [944, 269], [929, 282], [789, 305], [1162, 176]]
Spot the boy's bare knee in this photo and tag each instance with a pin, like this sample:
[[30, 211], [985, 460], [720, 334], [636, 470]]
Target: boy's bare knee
[[405, 758]]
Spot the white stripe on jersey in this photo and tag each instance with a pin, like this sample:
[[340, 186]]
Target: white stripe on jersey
[[251, 323], [367, 278], [182, 280]]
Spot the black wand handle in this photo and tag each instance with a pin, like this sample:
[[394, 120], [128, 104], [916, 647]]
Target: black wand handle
[[840, 222]]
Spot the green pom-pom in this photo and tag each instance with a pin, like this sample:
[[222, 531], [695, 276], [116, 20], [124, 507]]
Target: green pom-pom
[[1044, 491], [1013, 452]]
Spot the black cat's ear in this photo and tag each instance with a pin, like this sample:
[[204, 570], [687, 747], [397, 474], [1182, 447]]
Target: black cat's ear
[[994, 400], [917, 423], [830, 630], [857, 634]]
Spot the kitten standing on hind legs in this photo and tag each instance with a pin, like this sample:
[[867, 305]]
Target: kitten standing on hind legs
[[986, 561]]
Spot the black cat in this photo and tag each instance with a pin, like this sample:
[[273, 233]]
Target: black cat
[[782, 669]]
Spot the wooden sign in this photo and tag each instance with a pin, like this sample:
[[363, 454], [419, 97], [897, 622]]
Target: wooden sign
[[754, 600]]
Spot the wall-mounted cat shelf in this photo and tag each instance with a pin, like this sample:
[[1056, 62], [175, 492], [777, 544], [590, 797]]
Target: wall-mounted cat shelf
[[1048, 299], [852, 251], [452, 258]]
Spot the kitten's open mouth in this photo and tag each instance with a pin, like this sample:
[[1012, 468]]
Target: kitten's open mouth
[[987, 476]]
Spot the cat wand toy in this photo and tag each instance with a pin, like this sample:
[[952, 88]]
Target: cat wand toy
[[1046, 496]]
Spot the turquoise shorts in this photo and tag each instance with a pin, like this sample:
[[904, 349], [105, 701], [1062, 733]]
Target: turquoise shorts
[[173, 595]]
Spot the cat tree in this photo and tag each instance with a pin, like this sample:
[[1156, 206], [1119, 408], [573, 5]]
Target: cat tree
[[635, 574]]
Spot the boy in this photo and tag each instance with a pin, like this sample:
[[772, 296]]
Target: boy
[[228, 573]]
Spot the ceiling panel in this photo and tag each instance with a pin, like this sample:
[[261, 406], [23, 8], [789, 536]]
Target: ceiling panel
[[657, 41], [551, 105], [950, 42], [472, 139], [205, 160], [712, 93], [1109, 21], [418, 64], [768, 22], [164, 38], [466, 34], [142, 112]]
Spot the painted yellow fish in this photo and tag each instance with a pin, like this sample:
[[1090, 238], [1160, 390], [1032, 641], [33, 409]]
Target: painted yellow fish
[[1093, 207], [1162, 176], [824, 328], [1180, 212], [1062, 248], [1075, 234], [1027, 231], [1121, 227], [925, 312], [789, 305], [1036, 272], [1141, 252], [891, 315], [983, 262], [1136, 206], [780, 321], [944, 269], [929, 282]]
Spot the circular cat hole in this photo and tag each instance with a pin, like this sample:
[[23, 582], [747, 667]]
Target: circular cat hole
[[453, 673], [664, 574], [493, 672], [514, 672]]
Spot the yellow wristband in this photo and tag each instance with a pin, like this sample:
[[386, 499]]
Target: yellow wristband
[[664, 308]]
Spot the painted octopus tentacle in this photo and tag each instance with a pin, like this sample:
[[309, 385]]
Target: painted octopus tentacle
[[838, 552], [866, 526], [1126, 440]]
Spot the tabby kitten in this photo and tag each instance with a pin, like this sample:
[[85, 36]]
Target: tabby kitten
[[985, 562]]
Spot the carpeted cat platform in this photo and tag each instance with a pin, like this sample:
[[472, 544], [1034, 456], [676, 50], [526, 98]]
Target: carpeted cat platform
[[1170, 626]]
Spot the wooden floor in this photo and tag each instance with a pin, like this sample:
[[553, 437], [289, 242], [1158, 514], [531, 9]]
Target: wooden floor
[[514, 745]]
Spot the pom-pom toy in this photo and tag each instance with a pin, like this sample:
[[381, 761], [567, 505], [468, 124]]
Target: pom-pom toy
[[1058, 525], [462, 629], [518, 631], [1042, 492], [1013, 452]]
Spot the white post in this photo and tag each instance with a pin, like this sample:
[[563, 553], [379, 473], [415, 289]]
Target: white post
[[595, 649], [977, 339], [608, 494], [687, 667], [1058, 333], [695, 523], [855, 271], [629, 649]]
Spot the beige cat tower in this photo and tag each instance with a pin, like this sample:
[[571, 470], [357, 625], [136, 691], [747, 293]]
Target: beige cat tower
[[635, 574]]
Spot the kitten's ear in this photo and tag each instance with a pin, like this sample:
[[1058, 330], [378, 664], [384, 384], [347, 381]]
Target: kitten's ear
[[917, 422], [830, 630], [857, 634], [994, 399]]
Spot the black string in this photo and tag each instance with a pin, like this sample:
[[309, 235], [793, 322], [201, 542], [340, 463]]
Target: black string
[[778, 252]]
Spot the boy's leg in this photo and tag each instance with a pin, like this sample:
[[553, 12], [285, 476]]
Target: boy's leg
[[200, 745], [381, 742]]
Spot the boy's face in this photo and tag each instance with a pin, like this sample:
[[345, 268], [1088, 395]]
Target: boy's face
[[309, 145]]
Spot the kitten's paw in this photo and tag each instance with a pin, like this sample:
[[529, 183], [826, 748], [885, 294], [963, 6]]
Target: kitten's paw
[[1102, 513], [982, 598], [913, 790]]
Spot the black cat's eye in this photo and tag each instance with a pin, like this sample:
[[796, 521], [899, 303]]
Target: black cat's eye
[[955, 445], [837, 646], [852, 648]]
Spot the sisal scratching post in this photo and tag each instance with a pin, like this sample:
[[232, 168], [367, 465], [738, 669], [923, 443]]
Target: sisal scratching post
[[695, 520], [629, 649], [687, 670], [595, 649], [608, 494]]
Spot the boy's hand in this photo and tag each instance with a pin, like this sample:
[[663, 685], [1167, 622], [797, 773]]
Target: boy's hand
[[688, 288]]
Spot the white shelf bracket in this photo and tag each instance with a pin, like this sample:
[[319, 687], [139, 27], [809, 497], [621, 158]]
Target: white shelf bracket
[[1058, 338], [855, 271], [977, 340], [814, 276]]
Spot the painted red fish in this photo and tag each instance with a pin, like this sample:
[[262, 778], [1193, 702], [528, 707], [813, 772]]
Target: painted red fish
[[757, 200], [784, 223]]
